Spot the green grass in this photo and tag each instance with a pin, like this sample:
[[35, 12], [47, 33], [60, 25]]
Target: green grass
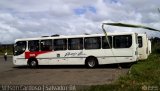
[[143, 73], [146, 69]]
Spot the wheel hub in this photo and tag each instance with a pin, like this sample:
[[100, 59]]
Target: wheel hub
[[91, 63]]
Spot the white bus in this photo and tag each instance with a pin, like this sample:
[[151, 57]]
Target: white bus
[[90, 50], [143, 46]]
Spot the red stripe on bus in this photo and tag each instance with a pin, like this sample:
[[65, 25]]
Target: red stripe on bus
[[34, 54]]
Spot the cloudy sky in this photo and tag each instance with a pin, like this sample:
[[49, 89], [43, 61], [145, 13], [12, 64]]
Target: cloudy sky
[[34, 18]]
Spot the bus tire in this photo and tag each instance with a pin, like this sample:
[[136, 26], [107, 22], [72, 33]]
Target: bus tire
[[32, 62], [91, 62]]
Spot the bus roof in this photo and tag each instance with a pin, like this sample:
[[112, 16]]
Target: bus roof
[[74, 36]]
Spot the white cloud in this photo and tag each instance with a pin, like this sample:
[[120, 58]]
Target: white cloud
[[33, 18]]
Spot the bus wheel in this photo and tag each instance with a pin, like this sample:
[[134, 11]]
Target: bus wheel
[[33, 63], [91, 62]]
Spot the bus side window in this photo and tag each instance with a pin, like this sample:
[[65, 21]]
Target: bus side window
[[140, 44], [46, 45], [122, 41], [105, 44], [75, 44], [33, 45], [92, 43], [60, 44]]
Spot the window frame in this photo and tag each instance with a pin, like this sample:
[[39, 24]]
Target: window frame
[[51, 44], [85, 44], [30, 44], [81, 45], [141, 42], [111, 42], [66, 45], [122, 47]]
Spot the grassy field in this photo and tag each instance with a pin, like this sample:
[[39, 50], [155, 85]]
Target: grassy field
[[144, 75]]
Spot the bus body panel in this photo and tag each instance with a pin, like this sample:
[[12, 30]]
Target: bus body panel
[[19, 60]]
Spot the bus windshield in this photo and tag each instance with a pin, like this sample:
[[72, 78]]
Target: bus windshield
[[19, 47]]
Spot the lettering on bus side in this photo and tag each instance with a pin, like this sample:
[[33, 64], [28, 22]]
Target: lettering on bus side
[[74, 54], [32, 55]]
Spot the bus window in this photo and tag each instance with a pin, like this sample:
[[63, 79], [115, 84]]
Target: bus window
[[33, 45], [75, 44], [19, 47], [105, 44], [122, 41], [92, 43], [46, 45], [140, 44], [60, 44]]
